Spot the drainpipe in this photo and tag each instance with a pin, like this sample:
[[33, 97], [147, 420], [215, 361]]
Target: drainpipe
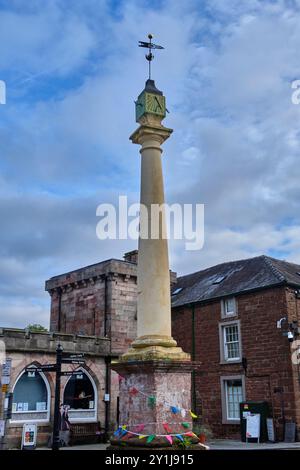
[[105, 304], [193, 358], [59, 309], [107, 362], [107, 393]]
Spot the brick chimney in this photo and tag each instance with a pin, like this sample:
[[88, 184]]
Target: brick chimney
[[173, 278], [131, 256]]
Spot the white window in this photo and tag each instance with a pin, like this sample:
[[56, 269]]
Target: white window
[[228, 307], [231, 342], [31, 397], [233, 397]]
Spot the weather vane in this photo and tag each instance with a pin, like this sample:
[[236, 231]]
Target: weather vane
[[149, 46]]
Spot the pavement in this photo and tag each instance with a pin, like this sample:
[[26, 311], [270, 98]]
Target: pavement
[[217, 444]]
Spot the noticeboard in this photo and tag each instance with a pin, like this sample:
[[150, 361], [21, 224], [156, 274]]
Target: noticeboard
[[290, 432], [2, 427], [253, 426], [29, 436]]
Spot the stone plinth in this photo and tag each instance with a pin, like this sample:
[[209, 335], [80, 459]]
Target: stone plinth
[[169, 383]]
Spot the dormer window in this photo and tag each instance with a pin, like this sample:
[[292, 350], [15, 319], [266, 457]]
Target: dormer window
[[176, 291], [219, 279]]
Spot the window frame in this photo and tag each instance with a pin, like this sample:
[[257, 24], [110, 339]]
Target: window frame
[[222, 327], [13, 420], [224, 314], [223, 380], [83, 419]]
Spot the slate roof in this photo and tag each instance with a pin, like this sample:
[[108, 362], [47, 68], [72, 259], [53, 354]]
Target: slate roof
[[238, 277]]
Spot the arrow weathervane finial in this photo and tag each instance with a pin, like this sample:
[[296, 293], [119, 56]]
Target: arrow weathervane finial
[[149, 45]]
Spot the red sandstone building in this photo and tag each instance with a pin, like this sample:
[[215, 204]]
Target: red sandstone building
[[225, 316]]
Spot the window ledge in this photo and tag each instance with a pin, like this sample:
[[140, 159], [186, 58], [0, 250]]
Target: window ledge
[[228, 363], [235, 422]]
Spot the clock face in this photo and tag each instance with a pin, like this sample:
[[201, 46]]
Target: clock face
[[150, 103], [155, 104]]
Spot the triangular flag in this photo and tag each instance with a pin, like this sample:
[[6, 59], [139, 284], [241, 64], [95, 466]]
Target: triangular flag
[[133, 391], [185, 425], [124, 426], [169, 438], [174, 409], [179, 436], [167, 427], [117, 431], [142, 436], [151, 401], [124, 431], [127, 435], [193, 414], [190, 434], [139, 428], [150, 438]]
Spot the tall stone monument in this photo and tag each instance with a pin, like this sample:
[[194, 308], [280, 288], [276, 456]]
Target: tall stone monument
[[155, 374]]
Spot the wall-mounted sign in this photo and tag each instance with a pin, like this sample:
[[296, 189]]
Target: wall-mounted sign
[[6, 368], [29, 436]]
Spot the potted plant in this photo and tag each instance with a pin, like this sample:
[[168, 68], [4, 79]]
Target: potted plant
[[203, 432]]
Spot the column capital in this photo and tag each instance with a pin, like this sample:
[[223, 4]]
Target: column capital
[[151, 131]]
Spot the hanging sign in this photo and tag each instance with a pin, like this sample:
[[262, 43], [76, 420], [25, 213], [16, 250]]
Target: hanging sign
[[253, 426], [29, 436]]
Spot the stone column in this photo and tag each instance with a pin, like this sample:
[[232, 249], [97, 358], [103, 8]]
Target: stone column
[[154, 368], [154, 339]]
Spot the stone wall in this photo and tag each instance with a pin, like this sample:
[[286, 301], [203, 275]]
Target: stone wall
[[26, 349], [98, 300]]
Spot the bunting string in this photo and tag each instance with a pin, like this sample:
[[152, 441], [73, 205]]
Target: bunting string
[[122, 431]]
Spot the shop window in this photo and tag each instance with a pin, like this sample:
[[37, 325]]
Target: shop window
[[31, 397], [80, 396]]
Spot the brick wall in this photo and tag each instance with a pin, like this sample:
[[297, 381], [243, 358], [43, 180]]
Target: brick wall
[[267, 351]]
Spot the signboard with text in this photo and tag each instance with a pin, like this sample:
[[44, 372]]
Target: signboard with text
[[29, 436], [253, 426]]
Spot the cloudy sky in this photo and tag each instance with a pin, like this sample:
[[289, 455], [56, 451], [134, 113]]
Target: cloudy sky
[[73, 70]]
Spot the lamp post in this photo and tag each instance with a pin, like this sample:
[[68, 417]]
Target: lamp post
[[55, 439]]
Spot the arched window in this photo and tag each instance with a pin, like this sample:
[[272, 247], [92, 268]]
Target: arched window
[[31, 397], [80, 395]]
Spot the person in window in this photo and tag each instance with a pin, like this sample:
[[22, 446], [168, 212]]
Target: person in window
[[64, 425]]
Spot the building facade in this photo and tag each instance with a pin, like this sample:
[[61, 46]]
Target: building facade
[[226, 317], [33, 392]]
